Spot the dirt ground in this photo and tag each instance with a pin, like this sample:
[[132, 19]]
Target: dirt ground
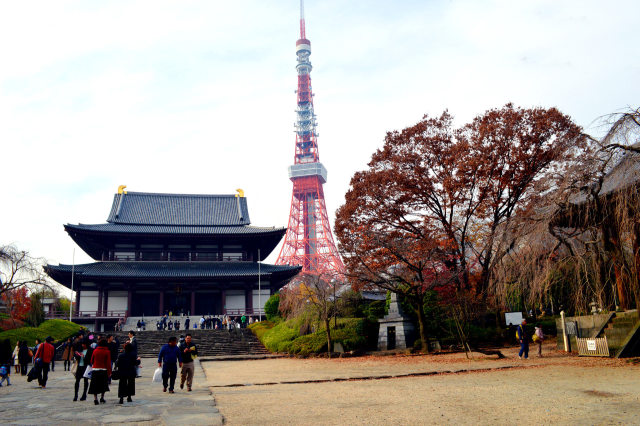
[[429, 389]]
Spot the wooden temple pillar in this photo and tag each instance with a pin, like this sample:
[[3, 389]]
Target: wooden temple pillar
[[129, 300], [223, 299], [77, 307], [105, 301], [161, 304], [192, 309], [99, 308], [248, 301]]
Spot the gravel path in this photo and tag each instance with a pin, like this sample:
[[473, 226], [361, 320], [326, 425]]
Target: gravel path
[[25, 403], [556, 389]]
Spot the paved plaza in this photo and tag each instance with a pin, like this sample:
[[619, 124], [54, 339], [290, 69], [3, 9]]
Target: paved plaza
[[432, 389], [25, 403]]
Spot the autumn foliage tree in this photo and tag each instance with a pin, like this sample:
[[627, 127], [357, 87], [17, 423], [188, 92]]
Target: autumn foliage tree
[[18, 303], [447, 197]]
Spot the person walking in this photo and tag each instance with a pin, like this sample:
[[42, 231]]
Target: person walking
[[101, 371], [67, 354], [189, 353], [16, 362], [521, 335], [44, 355], [167, 358], [538, 338], [83, 358], [126, 364], [24, 357]]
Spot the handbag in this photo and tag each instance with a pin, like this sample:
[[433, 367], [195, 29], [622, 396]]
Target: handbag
[[87, 372], [33, 374], [115, 375], [74, 367], [157, 375]]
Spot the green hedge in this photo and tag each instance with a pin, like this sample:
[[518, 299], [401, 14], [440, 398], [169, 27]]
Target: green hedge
[[284, 336], [58, 329]]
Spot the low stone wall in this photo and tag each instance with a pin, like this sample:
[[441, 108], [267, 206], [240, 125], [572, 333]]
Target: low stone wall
[[585, 326]]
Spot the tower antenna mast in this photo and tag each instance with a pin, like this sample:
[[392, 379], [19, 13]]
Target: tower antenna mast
[[302, 29], [308, 241]]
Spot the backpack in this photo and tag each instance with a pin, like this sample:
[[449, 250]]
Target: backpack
[[3, 370]]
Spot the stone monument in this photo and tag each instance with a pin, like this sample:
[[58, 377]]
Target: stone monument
[[396, 330]]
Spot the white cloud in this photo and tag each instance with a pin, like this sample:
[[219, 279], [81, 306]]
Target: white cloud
[[198, 96]]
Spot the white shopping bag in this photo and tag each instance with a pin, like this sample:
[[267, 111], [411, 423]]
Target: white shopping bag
[[157, 375], [87, 372]]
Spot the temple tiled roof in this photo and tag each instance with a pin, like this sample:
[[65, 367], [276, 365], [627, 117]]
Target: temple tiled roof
[[142, 208], [175, 229], [169, 270]]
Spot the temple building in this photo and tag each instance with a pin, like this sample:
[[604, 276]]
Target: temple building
[[179, 253]]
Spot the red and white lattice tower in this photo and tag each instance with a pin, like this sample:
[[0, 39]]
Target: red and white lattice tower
[[308, 241]]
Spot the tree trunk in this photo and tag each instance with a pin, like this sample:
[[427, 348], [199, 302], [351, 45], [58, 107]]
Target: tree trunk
[[422, 323], [329, 342]]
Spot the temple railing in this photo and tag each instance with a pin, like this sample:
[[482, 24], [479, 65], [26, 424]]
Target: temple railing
[[240, 312], [86, 314]]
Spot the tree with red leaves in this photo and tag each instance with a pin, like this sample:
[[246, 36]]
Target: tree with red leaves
[[18, 303], [444, 199]]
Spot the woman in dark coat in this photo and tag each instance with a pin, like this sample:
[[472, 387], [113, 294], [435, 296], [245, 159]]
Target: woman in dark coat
[[67, 354], [24, 357], [83, 358], [126, 364]]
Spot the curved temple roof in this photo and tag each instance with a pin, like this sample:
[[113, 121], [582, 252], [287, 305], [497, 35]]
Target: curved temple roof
[[155, 271], [144, 208]]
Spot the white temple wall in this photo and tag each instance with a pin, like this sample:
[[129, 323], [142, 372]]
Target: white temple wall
[[88, 301], [258, 302], [117, 301], [234, 299]]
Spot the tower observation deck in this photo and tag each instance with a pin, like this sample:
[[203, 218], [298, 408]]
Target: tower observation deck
[[308, 240]]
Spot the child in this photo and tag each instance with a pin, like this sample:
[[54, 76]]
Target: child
[[538, 338], [4, 374]]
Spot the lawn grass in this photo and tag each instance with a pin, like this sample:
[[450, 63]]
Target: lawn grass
[[56, 328], [284, 336]]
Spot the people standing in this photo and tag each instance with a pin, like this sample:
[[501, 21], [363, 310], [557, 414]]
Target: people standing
[[127, 363], [101, 371], [112, 344], [538, 338], [16, 361], [24, 357], [202, 321], [521, 335], [189, 352], [134, 342], [83, 358], [167, 358], [67, 354], [44, 355]]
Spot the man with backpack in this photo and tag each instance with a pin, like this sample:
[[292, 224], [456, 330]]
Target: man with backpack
[[521, 335]]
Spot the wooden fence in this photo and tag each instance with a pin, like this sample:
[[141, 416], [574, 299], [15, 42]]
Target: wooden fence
[[597, 346]]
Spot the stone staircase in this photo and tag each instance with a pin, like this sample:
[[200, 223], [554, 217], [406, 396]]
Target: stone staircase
[[209, 342], [622, 334]]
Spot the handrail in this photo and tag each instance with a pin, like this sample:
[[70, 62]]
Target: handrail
[[87, 314]]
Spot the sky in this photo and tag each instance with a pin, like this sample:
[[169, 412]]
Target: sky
[[199, 96]]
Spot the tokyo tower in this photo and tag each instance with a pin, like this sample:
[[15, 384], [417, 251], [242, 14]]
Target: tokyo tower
[[308, 241]]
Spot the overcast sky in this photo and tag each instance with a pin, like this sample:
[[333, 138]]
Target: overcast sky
[[198, 96]]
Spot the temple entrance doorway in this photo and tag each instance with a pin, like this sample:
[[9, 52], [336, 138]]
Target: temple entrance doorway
[[145, 303], [178, 302], [208, 303]]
